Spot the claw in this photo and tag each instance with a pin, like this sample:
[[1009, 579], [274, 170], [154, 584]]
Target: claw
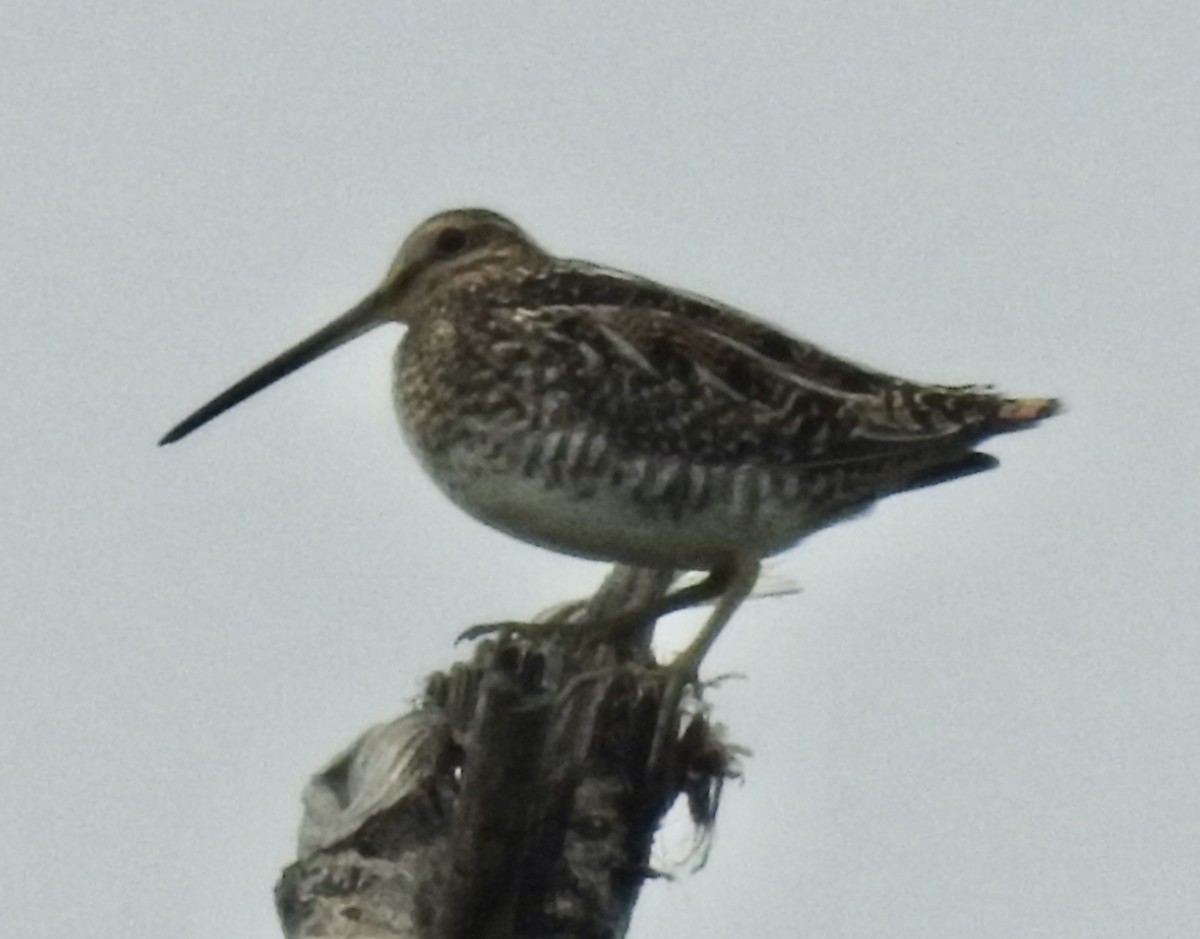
[[666, 727], [504, 627]]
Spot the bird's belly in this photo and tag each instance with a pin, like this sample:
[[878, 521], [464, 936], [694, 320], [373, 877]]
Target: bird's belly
[[603, 526], [647, 511]]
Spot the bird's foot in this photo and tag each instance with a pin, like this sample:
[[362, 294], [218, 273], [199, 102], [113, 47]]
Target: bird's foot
[[679, 675], [628, 629], [618, 630], [682, 679], [505, 628]]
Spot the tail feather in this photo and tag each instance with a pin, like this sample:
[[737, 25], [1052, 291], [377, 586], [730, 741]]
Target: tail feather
[[1024, 412], [981, 415], [1006, 415], [968, 464]]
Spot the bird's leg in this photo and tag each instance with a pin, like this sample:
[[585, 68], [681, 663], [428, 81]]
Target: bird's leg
[[629, 602], [627, 599], [734, 581], [631, 622], [625, 607], [626, 590], [736, 584]]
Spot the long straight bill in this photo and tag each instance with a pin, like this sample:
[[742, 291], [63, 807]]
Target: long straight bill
[[346, 327]]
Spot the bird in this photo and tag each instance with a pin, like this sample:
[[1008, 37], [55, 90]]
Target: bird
[[601, 414]]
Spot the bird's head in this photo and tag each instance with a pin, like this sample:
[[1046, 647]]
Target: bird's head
[[442, 246]]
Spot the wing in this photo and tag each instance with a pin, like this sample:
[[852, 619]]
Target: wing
[[581, 283], [656, 386], [663, 372]]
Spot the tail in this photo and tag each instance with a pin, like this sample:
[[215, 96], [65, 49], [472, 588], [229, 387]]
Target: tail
[[985, 414], [1020, 413], [980, 412], [982, 415], [967, 464], [929, 437]]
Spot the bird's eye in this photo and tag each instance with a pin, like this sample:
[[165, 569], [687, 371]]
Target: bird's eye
[[450, 241]]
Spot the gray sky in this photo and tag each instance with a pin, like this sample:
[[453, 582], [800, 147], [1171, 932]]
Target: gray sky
[[978, 719]]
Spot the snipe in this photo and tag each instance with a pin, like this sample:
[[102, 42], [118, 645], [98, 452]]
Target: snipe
[[604, 415]]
